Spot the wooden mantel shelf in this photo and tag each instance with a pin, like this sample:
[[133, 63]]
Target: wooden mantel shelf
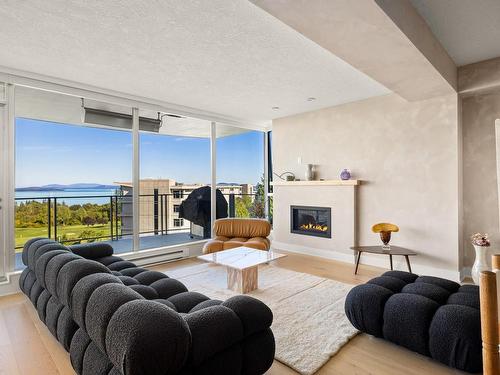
[[317, 183]]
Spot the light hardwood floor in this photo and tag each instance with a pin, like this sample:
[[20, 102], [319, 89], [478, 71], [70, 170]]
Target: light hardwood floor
[[28, 348]]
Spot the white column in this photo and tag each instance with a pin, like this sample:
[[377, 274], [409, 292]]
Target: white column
[[266, 175], [135, 179], [3, 179], [7, 123], [213, 163]]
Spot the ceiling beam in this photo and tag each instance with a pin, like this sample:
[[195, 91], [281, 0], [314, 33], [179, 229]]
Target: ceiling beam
[[479, 78], [387, 40]]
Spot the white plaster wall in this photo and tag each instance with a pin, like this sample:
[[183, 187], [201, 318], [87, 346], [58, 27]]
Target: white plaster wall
[[341, 200], [407, 154], [481, 208]]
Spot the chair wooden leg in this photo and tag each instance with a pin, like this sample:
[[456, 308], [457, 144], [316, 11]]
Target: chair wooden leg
[[390, 260]]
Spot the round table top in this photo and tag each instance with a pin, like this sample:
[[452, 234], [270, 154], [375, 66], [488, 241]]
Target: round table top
[[393, 250]]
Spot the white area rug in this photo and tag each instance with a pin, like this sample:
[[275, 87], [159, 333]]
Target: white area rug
[[309, 325]]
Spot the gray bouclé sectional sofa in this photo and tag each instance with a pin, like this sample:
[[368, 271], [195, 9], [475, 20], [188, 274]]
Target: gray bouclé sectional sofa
[[116, 318]]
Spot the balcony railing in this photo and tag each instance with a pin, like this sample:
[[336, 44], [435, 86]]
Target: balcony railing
[[88, 218]]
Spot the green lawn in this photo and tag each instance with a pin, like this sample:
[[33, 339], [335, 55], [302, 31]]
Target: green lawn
[[71, 231]]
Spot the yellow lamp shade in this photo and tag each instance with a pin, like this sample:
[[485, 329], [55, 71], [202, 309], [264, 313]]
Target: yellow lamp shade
[[385, 227]]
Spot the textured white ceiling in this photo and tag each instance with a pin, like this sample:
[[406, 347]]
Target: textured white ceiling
[[224, 56], [469, 30]]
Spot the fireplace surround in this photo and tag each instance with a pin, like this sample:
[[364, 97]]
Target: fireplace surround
[[311, 221]]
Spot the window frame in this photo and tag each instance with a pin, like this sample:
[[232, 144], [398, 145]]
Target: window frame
[[60, 86]]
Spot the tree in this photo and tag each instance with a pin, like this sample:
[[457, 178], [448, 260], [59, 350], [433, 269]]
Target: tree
[[90, 235], [63, 214], [89, 220], [242, 205], [258, 208]]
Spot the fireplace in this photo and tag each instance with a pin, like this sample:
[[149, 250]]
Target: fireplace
[[311, 221]]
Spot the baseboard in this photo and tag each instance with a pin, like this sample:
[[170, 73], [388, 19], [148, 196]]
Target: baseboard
[[465, 272], [322, 253], [11, 285], [370, 259]]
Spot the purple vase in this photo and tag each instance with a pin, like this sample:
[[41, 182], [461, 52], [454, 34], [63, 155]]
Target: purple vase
[[345, 174]]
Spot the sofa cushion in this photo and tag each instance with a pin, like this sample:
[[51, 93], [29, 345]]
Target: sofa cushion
[[82, 291], [407, 277], [449, 285], [31, 247], [407, 318], [434, 292], [213, 246], [149, 277], [137, 344], [41, 265], [454, 331], [71, 273], [209, 335], [246, 228], [27, 245], [258, 243], [33, 256], [184, 302], [393, 284], [232, 244], [364, 307], [168, 287], [98, 314], [54, 266], [145, 291], [92, 250], [464, 299], [254, 314]]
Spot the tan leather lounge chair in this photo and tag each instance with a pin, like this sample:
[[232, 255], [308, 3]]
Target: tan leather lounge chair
[[231, 233]]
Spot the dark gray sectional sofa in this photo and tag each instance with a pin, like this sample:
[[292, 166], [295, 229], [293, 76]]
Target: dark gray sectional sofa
[[429, 315], [116, 318]]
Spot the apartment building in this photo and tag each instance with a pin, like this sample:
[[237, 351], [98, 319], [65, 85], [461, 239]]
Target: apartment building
[[160, 200]]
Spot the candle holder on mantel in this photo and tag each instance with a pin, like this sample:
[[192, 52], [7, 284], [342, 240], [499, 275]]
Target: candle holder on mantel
[[385, 230]]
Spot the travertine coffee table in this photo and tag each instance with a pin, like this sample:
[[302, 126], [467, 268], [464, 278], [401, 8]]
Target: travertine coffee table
[[242, 266]]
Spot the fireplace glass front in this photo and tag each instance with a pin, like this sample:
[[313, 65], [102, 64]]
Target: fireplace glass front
[[311, 221]]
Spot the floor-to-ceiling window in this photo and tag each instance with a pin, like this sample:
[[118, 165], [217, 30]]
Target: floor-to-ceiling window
[[240, 170], [174, 163], [79, 163], [68, 174]]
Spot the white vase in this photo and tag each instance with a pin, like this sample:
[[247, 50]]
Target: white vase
[[309, 172], [482, 262]]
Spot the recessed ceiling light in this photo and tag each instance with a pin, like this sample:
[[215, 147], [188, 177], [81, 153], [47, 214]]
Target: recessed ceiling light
[[311, 99], [275, 108]]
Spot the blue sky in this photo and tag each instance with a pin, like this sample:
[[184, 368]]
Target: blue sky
[[52, 153]]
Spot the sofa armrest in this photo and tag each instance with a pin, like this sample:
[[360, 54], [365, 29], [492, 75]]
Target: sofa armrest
[[215, 329], [147, 337], [254, 314], [92, 250]]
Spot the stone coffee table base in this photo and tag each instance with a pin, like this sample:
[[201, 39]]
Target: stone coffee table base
[[243, 281], [242, 264]]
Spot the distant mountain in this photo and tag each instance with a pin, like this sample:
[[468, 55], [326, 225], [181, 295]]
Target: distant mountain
[[58, 187]]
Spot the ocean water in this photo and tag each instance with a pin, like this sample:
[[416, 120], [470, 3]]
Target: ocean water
[[69, 196]]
